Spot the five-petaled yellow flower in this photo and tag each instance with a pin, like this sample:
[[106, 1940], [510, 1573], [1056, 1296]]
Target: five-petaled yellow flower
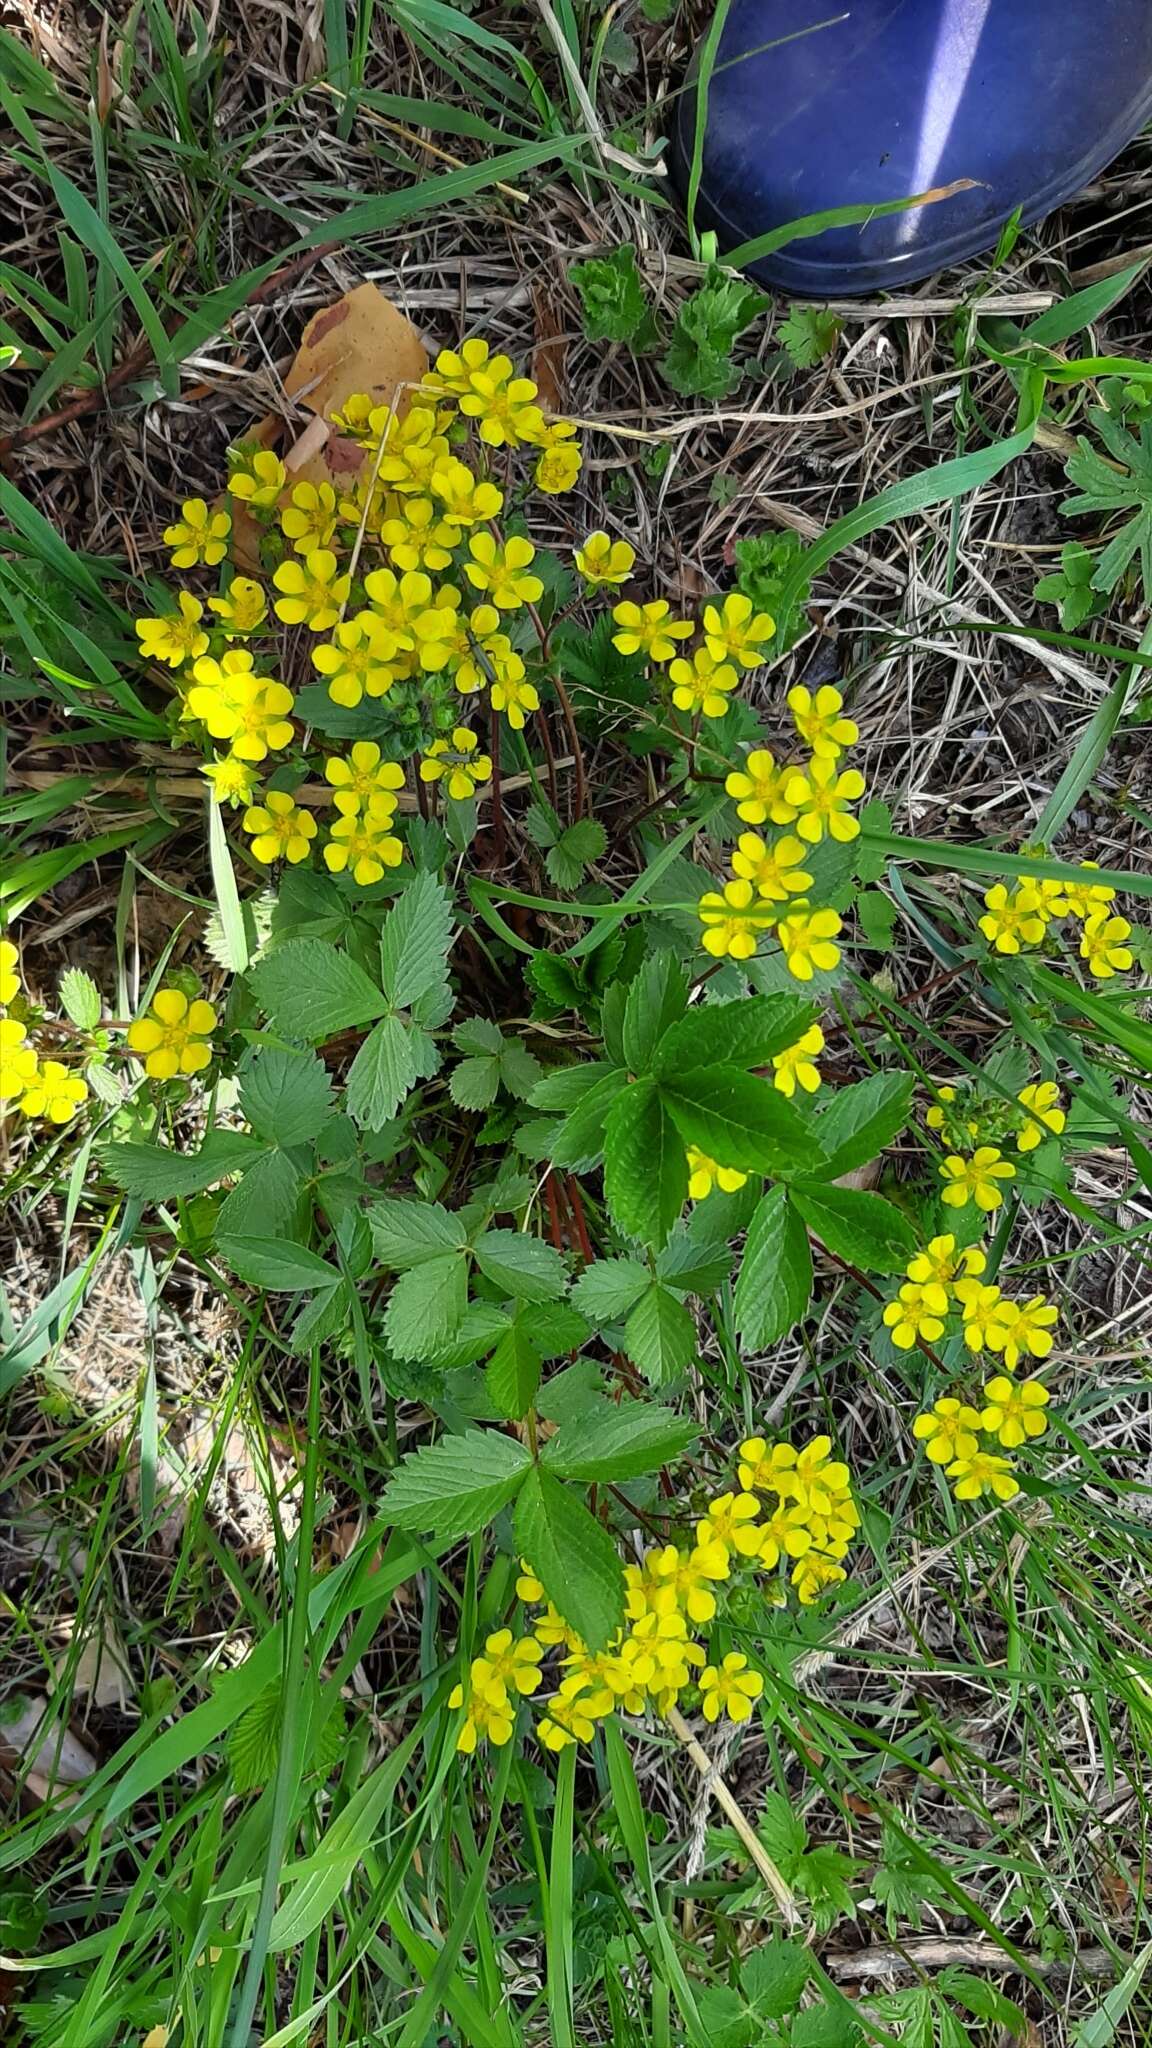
[[807, 937], [729, 1688], [976, 1179], [364, 843], [1042, 1101], [418, 536], [704, 1175], [1024, 1330], [365, 778], [820, 798], [54, 1093], [242, 608], [1015, 1411], [603, 562], [1102, 945], [820, 722], [174, 1035], [649, 629], [735, 631], [459, 762], [977, 1472], [502, 571], [313, 592], [514, 697], [1013, 919], [950, 1429], [558, 467], [174, 637], [359, 660], [797, 1063], [775, 871], [702, 684], [758, 788], [916, 1314], [309, 519], [258, 479], [732, 920], [198, 536], [280, 829]]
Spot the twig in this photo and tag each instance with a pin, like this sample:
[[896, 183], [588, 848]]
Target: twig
[[782, 1893], [931, 1952]]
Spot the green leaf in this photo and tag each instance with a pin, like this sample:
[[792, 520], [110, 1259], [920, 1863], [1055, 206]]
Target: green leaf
[[606, 1290], [426, 1306], [277, 1265], [80, 998], [475, 1083], [613, 297], [739, 1120], [656, 998], [575, 850], [554, 1326], [660, 1335], [310, 990], [774, 1285], [645, 1165], [581, 1137], [825, 2026], [406, 1234], [774, 1976], [746, 1033], [285, 1096], [415, 942], [154, 1174], [265, 1202], [861, 1120], [521, 1265], [513, 1373], [568, 1088], [864, 1229], [253, 1745], [614, 1444], [699, 359], [574, 1558], [808, 335], [457, 1486], [382, 1073]]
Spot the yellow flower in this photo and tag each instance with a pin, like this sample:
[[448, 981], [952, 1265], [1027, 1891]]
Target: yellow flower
[[821, 798], [514, 697], [759, 790], [704, 1175], [458, 759], [977, 1472], [464, 499], [775, 871], [501, 570], [364, 779], [242, 607], [1102, 945], [508, 1662], [281, 830], [683, 1579], [940, 1262], [174, 1036], [649, 629], [568, 1719], [917, 1312], [767, 1470], [198, 536], [419, 537], [735, 631], [359, 660], [174, 637], [786, 1534], [729, 1688], [9, 971], [558, 467], [313, 593], [731, 1521], [363, 843], [797, 1063], [948, 1430], [1013, 919], [504, 406], [353, 418], [528, 1587], [455, 369], [258, 479], [253, 712], [702, 683], [414, 448], [437, 632], [18, 1062], [976, 1179], [1042, 1101], [807, 939], [813, 1575], [54, 1093], [982, 1306], [1082, 899], [1015, 1410], [818, 1483], [483, 1717], [733, 921], [309, 520], [603, 562], [819, 723], [1024, 1330], [233, 780]]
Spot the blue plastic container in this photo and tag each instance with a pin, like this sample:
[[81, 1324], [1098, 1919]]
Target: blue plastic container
[[1029, 97]]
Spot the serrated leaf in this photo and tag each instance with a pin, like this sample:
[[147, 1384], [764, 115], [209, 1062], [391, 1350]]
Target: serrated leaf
[[276, 1265], [264, 1202], [774, 1286], [579, 1141], [426, 1306], [774, 1976], [692, 1264], [739, 1120], [478, 1035], [155, 1174], [566, 1088], [608, 1288], [745, 1033], [457, 1486], [613, 1444], [645, 1165], [656, 998], [475, 1083], [808, 335], [382, 1073], [253, 1746], [80, 998], [575, 1558], [407, 1234], [523, 1266], [310, 990], [660, 1336], [554, 1326], [415, 942], [612, 295], [285, 1096], [575, 850], [863, 1229], [513, 1373], [861, 1120]]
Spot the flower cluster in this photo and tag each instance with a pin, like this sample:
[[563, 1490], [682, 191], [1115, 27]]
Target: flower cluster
[[945, 1290], [978, 1123], [792, 1509], [1017, 918], [811, 800], [33, 1084]]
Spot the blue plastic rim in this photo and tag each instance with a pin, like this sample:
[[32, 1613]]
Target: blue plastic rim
[[814, 105]]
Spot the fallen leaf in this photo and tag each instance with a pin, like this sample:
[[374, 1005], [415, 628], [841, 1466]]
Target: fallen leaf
[[53, 1757], [361, 343], [101, 1672]]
